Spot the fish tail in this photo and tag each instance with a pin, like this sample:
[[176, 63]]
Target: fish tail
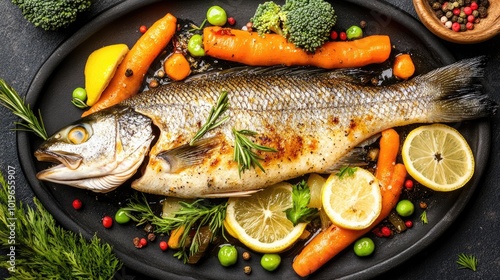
[[459, 88]]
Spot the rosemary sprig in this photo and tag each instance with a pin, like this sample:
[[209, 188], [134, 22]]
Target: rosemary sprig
[[30, 233], [13, 101], [243, 150], [215, 113], [467, 261], [193, 215]]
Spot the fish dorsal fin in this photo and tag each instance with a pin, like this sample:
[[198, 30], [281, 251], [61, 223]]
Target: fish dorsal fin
[[258, 71], [187, 155]]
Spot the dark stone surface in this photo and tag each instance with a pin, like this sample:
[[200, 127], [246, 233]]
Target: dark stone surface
[[24, 48]]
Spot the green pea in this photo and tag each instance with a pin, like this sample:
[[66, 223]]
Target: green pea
[[216, 16], [228, 255], [80, 93], [270, 261], [195, 45], [121, 216], [354, 32], [364, 247], [405, 208]]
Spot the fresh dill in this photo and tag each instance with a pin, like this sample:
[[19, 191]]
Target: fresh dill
[[213, 118], [346, 171], [190, 216], [10, 99], [243, 150], [423, 217], [467, 262], [45, 250]]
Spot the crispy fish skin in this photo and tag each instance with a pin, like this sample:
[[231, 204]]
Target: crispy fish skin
[[311, 117]]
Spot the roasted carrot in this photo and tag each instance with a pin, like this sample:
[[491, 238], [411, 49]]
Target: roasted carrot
[[130, 73], [177, 67], [403, 67], [328, 243], [389, 148], [252, 49]]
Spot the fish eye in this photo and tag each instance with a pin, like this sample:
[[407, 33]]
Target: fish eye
[[78, 134]]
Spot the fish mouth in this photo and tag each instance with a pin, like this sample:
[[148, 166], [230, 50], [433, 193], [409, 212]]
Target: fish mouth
[[68, 160]]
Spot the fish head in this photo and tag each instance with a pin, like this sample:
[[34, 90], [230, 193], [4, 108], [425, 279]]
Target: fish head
[[99, 152]]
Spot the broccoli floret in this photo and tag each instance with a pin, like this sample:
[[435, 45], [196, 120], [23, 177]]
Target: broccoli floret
[[267, 18], [51, 14], [305, 23], [308, 26]]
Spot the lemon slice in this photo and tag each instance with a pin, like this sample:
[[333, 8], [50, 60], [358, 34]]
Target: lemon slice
[[259, 221], [352, 201], [438, 157], [99, 69]]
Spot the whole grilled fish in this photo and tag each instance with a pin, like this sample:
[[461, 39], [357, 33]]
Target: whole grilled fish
[[311, 118]]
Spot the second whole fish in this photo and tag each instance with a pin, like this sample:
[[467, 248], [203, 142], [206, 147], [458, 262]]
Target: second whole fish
[[310, 118]]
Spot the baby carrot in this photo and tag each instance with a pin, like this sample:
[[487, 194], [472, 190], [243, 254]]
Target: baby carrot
[[328, 243], [130, 73], [252, 49], [403, 67], [177, 67], [389, 148]]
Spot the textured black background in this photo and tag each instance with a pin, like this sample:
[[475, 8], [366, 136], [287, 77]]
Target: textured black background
[[24, 48]]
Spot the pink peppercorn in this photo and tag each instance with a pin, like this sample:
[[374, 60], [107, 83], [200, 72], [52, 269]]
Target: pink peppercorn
[[143, 242], [469, 25], [386, 231], [343, 36], [409, 184], [468, 10], [474, 6], [231, 21], [334, 35], [163, 245], [455, 26], [471, 18], [408, 223], [107, 221], [77, 204], [456, 11]]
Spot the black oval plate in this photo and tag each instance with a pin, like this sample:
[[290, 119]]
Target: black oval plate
[[63, 71]]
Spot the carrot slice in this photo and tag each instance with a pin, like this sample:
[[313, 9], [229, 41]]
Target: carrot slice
[[328, 243], [403, 67], [130, 73], [177, 67], [252, 49]]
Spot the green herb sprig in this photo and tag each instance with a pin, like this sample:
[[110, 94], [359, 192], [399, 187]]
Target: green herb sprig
[[199, 213], [243, 150], [467, 262], [13, 101], [347, 171], [44, 250], [423, 217], [299, 212], [213, 118]]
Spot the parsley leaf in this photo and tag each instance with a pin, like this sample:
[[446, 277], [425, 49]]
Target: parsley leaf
[[300, 213], [346, 171]]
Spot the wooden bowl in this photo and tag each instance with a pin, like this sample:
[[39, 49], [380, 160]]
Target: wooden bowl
[[487, 28]]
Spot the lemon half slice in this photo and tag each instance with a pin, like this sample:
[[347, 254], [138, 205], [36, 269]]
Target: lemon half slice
[[259, 221], [100, 68], [438, 157], [352, 201]]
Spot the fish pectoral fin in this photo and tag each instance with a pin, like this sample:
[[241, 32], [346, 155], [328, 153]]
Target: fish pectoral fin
[[187, 155], [358, 156], [231, 194]]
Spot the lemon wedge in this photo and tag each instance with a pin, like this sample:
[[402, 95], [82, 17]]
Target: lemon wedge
[[438, 157], [259, 221], [99, 69], [352, 201]]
